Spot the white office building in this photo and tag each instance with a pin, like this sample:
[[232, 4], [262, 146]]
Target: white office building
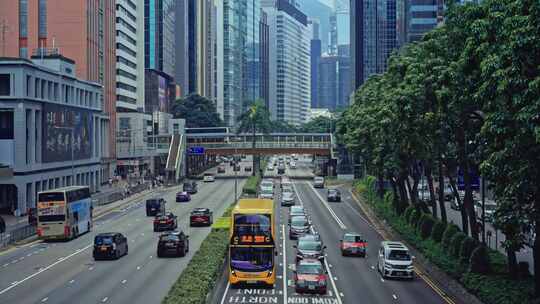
[[290, 62], [53, 130], [133, 124]]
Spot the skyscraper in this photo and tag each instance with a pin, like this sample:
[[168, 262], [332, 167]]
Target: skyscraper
[[328, 82], [159, 41], [290, 70], [206, 36], [315, 55], [420, 17], [237, 52], [344, 76], [264, 33], [373, 37], [181, 37], [35, 27]]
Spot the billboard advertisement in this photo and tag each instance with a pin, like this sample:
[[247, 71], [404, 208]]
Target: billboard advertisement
[[66, 130]]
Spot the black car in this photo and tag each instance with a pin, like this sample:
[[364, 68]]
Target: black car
[[298, 227], [166, 221], [309, 248], [190, 188], [247, 169], [110, 245], [155, 206], [201, 216], [237, 167], [281, 169], [173, 243], [333, 195]]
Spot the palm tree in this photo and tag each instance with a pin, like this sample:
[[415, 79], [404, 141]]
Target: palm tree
[[255, 119]]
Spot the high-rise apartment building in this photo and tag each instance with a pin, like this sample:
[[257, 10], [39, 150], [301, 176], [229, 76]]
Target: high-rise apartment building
[[419, 17], [206, 37], [264, 51], [238, 43], [290, 64], [33, 27], [159, 39]]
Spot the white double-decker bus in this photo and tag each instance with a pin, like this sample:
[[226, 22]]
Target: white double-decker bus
[[64, 213]]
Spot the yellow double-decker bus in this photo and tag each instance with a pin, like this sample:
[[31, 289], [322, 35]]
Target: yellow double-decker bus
[[252, 247]]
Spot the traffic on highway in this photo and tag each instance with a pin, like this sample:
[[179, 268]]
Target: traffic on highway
[[326, 250]]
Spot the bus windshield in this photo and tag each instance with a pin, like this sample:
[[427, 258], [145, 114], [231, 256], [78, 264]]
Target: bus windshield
[[252, 224], [252, 258]]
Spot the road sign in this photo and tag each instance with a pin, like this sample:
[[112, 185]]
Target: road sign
[[196, 150]]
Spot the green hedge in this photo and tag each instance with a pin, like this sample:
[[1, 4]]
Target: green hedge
[[251, 185], [492, 287], [200, 275], [426, 225]]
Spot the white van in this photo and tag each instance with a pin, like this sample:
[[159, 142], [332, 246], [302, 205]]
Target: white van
[[208, 177], [394, 261]]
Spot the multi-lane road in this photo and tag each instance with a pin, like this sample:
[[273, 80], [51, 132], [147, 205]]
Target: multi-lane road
[[65, 272], [350, 279]]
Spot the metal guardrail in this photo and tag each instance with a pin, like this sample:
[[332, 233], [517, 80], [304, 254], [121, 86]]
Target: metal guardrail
[[16, 235]]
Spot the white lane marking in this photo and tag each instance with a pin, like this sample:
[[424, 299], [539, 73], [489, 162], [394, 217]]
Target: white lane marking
[[104, 300], [138, 267], [382, 280], [330, 275], [5, 265], [72, 281], [30, 254], [124, 281], [226, 291], [90, 268], [394, 296], [284, 264], [341, 294], [44, 300], [332, 213], [14, 282]]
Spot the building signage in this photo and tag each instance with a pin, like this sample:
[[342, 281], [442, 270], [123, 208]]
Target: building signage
[[67, 133]]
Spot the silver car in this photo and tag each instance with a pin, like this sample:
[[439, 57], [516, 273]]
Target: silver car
[[287, 199]]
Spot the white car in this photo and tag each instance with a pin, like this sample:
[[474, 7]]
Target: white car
[[490, 207], [394, 261], [266, 192], [292, 165], [208, 178]]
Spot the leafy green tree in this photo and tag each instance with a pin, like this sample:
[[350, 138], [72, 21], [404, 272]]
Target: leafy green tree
[[256, 119], [198, 111], [319, 124]]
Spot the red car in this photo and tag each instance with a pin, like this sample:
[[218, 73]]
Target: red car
[[353, 244], [310, 277], [201, 216], [167, 221]]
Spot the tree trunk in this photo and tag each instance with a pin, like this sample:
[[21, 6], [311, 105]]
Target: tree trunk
[[464, 166], [403, 201], [442, 207], [429, 177], [380, 185], [463, 212], [395, 201]]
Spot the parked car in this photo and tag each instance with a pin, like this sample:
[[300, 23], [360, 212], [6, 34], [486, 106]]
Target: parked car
[[183, 196], [490, 207], [155, 206], [298, 227], [310, 277], [333, 195], [201, 216], [173, 243], [237, 167], [281, 169], [109, 245], [309, 248], [318, 182], [221, 169], [394, 261], [166, 221], [353, 244], [190, 188], [208, 178], [270, 167], [247, 169]]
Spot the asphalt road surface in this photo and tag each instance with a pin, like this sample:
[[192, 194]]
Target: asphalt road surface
[[65, 272], [351, 280]]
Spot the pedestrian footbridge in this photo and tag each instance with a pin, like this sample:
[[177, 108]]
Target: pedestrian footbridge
[[265, 144]]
